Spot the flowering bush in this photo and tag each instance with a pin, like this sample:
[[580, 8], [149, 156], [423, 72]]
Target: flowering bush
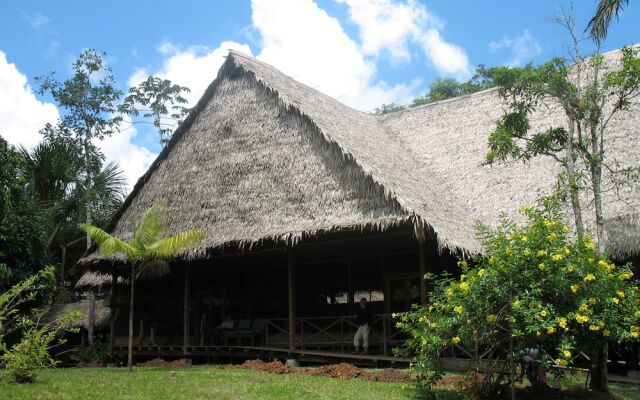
[[535, 287]]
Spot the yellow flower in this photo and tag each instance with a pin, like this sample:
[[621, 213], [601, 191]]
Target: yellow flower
[[582, 319], [422, 319], [561, 362], [606, 332], [566, 250], [481, 272], [635, 335], [509, 251], [565, 228], [544, 313], [589, 278], [541, 253], [620, 294], [541, 266], [394, 315], [458, 309], [557, 257], [433, 325], [588, 243], [571, 268], [562, 322], [625, 276], [551, 330], [637, 314], [491, 318], [615, 300], [583, 308], [449, 292], [566, 353], [552, 236], [526, 252], [575, 288], [524, 238], [594, 328], [424, 341], [492, 260], [524, 209], [549, 223], [455, 340], [592, 301], [464, 286]]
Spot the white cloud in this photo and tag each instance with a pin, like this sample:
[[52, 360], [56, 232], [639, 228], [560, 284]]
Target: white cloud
[[133, 159], [307, 44], [22, 115], [36, 20], [394, 25], [522, 48], [446, 57], [195, 67]]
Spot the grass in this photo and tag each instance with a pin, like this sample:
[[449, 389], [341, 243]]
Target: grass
[[193, 383], [219, 383]]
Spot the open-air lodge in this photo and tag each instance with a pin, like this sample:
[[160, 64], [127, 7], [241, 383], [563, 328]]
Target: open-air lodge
[[309, 205]]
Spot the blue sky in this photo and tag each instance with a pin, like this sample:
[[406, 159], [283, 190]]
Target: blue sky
[[362, 52]]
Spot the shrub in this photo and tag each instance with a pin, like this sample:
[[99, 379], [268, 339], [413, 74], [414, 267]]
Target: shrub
[[34, 339], [535, 287]]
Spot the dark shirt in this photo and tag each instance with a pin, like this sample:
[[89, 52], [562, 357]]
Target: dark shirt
[[363, 316]]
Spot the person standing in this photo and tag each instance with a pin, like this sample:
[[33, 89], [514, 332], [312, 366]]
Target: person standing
[[363, 320]]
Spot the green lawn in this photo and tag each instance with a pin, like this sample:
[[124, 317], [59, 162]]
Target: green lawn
[[191, 384], [217, 383]]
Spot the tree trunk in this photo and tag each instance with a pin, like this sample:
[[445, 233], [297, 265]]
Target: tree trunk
[[599, 381], [574, 193], [596, 180], [130, 344], [87, 160]]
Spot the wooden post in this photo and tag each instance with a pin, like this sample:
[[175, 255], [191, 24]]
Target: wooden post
[[422, 261], [92, 316], [112, 318], [187, 308], [349, 288], [292, 300]]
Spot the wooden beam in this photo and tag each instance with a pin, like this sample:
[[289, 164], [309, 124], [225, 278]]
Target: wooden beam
[[292, 300], [92, 316], [112, 318], [187, 308], [422, 262]]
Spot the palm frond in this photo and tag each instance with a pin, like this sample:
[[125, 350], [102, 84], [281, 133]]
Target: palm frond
[[171, 245], [153, 269], [109, 244], [151, 225], [599, 24]]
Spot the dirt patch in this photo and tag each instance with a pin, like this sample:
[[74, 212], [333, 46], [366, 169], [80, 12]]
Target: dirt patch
[[274, 367], [160, 363], [342, 371]]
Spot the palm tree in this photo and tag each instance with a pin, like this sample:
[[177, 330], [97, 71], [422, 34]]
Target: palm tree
[[599, 24], [145, 251]]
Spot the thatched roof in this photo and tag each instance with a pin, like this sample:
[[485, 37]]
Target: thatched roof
[[102, 313], [264, 157], [92, 279]]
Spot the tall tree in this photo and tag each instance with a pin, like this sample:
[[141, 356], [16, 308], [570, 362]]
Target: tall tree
[[160, 101], [599, 24], [590, 92], [146, 252], [88, 104]]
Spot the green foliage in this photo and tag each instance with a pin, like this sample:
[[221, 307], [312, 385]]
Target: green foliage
[[442, 89], [159, 100], [99, 352], [536, 288], [30, 350], [22, 229]]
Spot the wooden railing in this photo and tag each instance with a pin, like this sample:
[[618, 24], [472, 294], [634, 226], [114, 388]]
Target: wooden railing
[[334, 332]]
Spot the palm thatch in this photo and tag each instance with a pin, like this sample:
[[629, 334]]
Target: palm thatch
[[92, 279], [263, 157], [102, 313]]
